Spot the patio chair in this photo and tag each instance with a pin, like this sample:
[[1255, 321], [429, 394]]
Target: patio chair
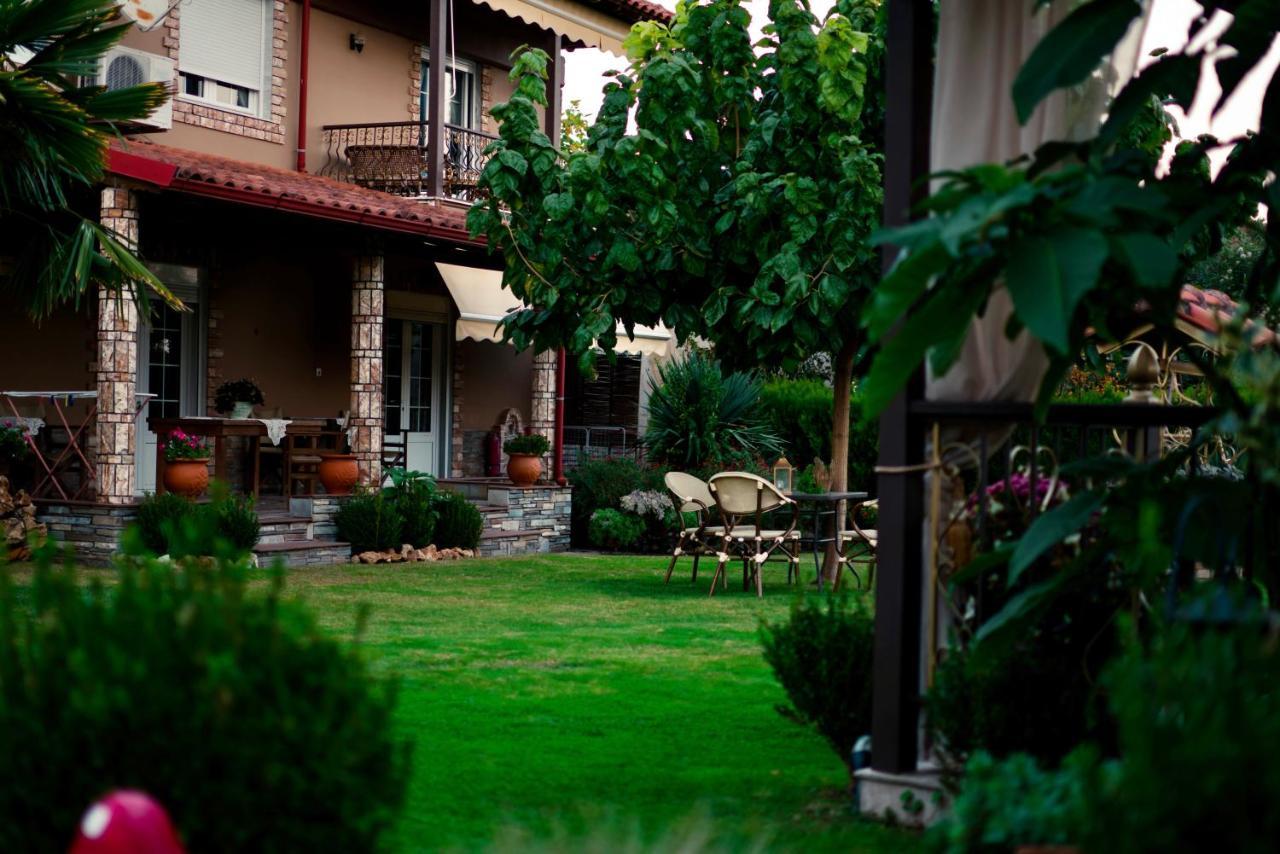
[[744, 499], [692, 495], [863, 540]]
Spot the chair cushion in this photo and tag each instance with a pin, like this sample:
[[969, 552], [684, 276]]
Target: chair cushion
[[869, 534], [710, 529]]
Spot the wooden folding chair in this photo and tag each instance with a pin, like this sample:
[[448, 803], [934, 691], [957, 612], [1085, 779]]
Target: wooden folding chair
[[857, 541], [744, 499], [692, 495]]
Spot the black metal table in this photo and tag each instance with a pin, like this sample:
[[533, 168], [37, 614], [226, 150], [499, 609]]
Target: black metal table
[[824, 504]]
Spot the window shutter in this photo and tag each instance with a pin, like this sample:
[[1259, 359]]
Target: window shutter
[[224, 40]]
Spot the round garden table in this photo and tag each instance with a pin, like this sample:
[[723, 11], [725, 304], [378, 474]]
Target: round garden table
[[822, 505]]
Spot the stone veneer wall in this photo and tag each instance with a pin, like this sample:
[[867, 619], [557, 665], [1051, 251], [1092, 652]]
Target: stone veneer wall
[[535, 520], [209, 116], [366, 366], [459, 459], [117, 365], [93, 530]]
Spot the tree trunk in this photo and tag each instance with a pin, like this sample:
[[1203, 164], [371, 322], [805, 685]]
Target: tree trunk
[[842, 382]]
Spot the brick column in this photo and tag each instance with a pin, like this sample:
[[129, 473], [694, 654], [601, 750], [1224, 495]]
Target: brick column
[[366, 367], [117, 367], [542, 416]]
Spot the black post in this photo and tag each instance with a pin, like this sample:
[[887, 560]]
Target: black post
[[896, 678], [437, 95], [555, 89]]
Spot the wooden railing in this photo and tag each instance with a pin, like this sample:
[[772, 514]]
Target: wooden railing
[[393, 157]]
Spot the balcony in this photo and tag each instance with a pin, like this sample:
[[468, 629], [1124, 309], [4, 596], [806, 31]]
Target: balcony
[[393, 157]]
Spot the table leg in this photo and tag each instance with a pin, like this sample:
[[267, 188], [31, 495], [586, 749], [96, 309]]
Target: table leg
[[161, 465], [817, 524], [220, 459]]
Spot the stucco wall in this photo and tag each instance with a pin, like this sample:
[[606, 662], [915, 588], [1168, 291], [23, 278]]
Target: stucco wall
[[495, 377], [53, 354]]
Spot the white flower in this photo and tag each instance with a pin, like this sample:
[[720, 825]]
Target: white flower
[[647, 502]]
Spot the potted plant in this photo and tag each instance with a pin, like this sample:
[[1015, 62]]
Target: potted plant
[[524, 463], [339, 471], [238, 397], [13, 448], [186, 469]]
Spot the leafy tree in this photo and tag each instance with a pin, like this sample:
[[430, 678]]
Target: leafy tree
[[573, 128], [736, 209], [53, 142]]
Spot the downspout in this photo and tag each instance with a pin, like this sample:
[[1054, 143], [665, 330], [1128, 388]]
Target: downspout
[[304, 51], [558, 461]]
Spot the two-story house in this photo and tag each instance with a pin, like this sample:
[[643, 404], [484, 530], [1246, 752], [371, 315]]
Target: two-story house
[[304, 192]]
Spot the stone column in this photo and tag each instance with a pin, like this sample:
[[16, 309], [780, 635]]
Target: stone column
[[457, 460], [542, 415], [117, 367], [366, 367]]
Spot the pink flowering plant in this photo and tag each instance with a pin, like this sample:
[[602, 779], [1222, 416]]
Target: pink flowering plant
[[13, 443], [183, 446], [1011, 504]]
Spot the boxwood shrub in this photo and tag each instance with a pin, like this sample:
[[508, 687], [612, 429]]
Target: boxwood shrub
[[254, 729]]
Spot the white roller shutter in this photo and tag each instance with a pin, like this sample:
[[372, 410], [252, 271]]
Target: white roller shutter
[[224, 40]]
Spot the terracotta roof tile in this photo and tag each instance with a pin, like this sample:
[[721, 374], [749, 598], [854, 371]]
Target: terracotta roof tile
[[298, 191], [1209, 311]]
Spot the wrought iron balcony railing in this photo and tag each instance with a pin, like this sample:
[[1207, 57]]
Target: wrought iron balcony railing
[[393, 157]]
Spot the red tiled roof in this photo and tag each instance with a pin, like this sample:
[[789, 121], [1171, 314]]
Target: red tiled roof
[[266, 186], [632, 11], [1209, 311]]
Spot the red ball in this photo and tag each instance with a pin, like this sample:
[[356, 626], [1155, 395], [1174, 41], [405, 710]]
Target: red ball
[[126, 822]]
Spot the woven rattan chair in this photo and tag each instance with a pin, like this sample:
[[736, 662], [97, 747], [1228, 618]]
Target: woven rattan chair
[[744, 499], [690, 494], [857, 541]]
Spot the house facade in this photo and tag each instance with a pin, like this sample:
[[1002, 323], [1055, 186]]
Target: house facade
[[304, 193]]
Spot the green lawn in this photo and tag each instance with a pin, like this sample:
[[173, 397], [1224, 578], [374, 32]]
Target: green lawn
[[565, 695]]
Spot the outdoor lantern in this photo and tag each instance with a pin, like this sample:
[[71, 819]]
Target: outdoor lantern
[[782, 473]]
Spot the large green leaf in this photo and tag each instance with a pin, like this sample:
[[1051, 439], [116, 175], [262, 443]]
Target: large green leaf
[[1050, 529], [1071, 51], [1047, 276]]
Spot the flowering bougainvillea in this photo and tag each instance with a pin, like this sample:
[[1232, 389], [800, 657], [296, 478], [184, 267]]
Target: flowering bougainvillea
[[13, 445]]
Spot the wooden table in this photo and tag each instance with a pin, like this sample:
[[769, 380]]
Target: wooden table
[[220, 428]]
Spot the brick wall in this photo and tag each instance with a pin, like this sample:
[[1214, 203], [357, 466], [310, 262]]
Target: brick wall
[[203, 115]]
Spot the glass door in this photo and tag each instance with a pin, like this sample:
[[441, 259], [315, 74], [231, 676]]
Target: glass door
[[411, 370], [170, 367]]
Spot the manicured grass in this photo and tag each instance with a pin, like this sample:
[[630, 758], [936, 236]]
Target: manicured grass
[[556, 695]]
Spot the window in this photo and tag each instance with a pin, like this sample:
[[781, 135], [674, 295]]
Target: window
[[463, 108], [224, 49]]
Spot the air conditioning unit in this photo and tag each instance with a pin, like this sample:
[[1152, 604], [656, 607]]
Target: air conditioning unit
[[121, 67]]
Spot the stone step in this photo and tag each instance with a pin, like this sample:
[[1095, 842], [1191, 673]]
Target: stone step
[[282, 527], [306, 552]]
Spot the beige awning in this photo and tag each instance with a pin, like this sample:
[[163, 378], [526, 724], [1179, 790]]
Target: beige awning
[[576, 21], [482, 303]]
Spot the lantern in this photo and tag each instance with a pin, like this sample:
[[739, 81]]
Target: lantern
[[782, 475]]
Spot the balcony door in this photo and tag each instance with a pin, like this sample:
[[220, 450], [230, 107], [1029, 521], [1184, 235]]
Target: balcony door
[[462, 83], [413, 379]]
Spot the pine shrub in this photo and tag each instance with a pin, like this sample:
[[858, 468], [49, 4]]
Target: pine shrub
[[458, 522], [370, 521], [822, 655]]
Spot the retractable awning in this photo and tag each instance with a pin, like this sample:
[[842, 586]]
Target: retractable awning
[[482, 303], [575, 21]]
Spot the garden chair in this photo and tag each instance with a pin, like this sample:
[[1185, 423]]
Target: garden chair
[[744, 499], [854, 542], [692, 495]]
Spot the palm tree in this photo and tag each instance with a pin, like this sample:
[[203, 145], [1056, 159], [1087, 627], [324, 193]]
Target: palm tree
[[54, 133]]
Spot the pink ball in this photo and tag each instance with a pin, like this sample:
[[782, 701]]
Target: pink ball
[[126, 822]]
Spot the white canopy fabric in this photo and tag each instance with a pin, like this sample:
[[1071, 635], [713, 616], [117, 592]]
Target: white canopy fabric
[[483, 301], [981, 46], [575, 21]]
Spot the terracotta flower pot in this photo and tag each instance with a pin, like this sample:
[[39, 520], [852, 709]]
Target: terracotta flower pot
[[187, 477], [524, 469], [339, 473]]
